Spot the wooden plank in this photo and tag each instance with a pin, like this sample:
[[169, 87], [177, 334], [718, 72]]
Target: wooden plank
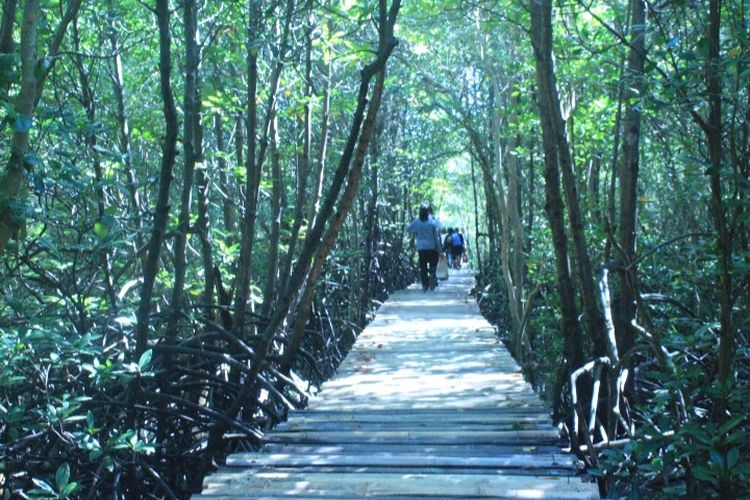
[[379, 469], [342, 485], [441, 449], [432, 426], [426, 403], [478, 412], [382, 459], [298, 421], [416, 437]]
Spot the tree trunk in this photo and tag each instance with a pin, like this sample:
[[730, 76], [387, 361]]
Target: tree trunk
[[227, 202], [629, 175], [89, 105], [541, 37], [550, 104], [12, 183], [255, 164], [371, 227], [277, 183], [7, 25], [169, 152], [303, 165], [123, 129], [239, 154], [477, 248], [714, 131], [191, 123]]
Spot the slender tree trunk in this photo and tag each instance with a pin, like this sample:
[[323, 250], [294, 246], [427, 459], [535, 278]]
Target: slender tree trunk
[[317, 184], [541, 36], [203, 223], [531, 203], [501, 171], [7, 25], [550, 102], [247, 225], [303, 164], [714, 135], [227, 203], [493, 218], [203, 229], [477, 248], [365, 293], [255, 164], [615, 166], [277, 183], [53, 50], [12, 183], [123, 129], [239, 154], [89, 105], [169, 152], [191, 106], [629, 174], [714, 131]]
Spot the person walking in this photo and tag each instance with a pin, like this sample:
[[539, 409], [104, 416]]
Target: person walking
[[428, 247], [448, 247], [457, 247]]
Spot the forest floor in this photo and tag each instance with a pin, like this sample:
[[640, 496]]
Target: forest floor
[[428, 403]]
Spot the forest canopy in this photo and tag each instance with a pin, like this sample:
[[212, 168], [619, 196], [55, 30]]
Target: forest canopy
[[202, 203]]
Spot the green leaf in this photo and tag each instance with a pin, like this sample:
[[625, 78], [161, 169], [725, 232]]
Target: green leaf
[[145, 360], [101, 229], [731, 424], [43, 486], [703, 473], [69, 489], [62, 476], [716, 458], [733, 456]]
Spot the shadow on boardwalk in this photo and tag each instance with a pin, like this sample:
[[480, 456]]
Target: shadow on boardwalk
[[428, 404]]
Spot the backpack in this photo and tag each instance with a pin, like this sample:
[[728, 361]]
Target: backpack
[[457, 240]]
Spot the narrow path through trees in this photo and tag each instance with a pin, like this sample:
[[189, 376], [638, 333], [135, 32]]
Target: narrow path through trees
[[428, 403]]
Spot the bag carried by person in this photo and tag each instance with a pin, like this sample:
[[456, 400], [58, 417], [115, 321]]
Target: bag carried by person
[[457, 241], [442, 268]]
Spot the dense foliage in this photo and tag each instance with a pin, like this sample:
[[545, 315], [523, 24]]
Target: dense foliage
[[203, 202]]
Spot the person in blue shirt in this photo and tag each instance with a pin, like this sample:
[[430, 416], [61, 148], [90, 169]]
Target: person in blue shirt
[[428, 246]]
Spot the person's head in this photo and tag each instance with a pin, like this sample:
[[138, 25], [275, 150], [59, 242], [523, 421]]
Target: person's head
[[424, 213], [450, 230]]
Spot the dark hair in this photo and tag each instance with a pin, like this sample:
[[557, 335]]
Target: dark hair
[[424, 214]]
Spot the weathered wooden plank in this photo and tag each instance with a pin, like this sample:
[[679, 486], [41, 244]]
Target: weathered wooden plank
[[342, 485], [380, 469], [479, 412], [443, 426], [398, 417], [416, 437], [441, 449], [456, 402], [381, 459]]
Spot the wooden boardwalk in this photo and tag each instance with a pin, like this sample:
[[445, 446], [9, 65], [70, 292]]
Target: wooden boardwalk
[[428, 404]]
